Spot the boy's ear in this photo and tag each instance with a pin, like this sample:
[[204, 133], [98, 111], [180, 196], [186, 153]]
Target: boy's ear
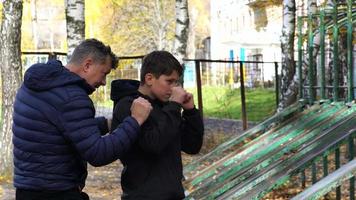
[[148, 79]]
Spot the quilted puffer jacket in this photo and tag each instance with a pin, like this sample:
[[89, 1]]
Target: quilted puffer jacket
[[55, 132]]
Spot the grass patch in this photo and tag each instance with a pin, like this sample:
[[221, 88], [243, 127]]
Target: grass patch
[[223, 102]]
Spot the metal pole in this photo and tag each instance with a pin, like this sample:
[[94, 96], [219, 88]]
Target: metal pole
[[200, 98], [351, 157], [337, 166], [52, 56], [300, 57], [325, 166], [311, 76], [277, 82], [303, 177], [322, 54], [335, 55], [314, 172], [350, 92], [243, 98]]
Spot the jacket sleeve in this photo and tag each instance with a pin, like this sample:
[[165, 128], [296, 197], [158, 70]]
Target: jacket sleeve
[[158, 130], [192, 131], [161, 128], [81, 129], [102, 125], [121, 110]]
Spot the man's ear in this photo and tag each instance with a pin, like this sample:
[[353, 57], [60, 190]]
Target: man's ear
[[149, 79], [87, 63]]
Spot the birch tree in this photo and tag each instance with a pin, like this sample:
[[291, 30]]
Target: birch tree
[[142, 26], [311, 10], [182, 29], [10, 57], [75, 23], [289, 81]]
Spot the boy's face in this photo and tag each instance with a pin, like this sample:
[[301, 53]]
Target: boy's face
[[161, 87]]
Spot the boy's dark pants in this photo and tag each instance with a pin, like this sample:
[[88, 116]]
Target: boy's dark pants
[[72, 194]]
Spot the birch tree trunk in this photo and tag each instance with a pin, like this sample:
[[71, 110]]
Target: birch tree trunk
[[34, 22], [160, 25], [289, 82], [11, 75], [182, 29], [312, 8], [75, 23]]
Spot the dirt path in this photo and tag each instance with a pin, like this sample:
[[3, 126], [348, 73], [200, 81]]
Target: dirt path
[[103, 183]]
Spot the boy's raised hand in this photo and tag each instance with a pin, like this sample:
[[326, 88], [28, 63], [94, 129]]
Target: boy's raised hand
[[188, 103], [178, 95], [140, 109]]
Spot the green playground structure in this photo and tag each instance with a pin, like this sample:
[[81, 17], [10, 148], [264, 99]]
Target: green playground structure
[[258, 161]]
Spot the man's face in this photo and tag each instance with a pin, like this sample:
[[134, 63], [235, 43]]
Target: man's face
[[96, 72], [161, 87]]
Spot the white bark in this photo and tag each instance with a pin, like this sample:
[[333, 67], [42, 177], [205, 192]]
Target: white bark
[[10, 58], [34, 22], [312, 6], [311, 9], [146, 26], [75, 23], [160, 25], [191, 48], [289, 83], [182, 29]]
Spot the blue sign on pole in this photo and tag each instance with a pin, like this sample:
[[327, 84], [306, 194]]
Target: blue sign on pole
[[242, 54], [189, 75], [231, 56]]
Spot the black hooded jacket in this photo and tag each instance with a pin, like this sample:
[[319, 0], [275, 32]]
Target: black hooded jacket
[[153, 166]]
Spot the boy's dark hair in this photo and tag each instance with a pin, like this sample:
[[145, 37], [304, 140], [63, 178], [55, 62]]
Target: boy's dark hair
[[95, 48], [160, 63]]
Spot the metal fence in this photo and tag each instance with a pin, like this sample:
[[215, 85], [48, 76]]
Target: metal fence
[[234, 76]]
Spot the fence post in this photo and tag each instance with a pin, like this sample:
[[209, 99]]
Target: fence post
[[322, 54], [243, 98], [311, 74], [335, 54], [198, 76], [350, 88], [300, 57], [277, 82], [351, 157], [52, 56]]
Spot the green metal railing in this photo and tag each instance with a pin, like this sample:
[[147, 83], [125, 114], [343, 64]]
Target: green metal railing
[[348, 171], [329, 19]]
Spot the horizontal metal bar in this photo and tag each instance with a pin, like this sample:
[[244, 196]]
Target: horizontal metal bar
[[226, 61], [327, 86], [43, 53]]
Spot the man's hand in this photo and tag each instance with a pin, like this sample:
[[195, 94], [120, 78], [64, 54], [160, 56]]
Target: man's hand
[[140, 109], [178, 95], [188, 103]]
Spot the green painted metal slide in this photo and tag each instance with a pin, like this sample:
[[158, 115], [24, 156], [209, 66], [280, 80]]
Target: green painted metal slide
[[252, 164]]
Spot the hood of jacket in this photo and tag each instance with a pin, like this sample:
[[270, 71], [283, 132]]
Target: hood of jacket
[[45, 76], [123, 87]]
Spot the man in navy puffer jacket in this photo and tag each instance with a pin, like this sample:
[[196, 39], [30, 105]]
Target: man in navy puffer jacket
[[55, 131]]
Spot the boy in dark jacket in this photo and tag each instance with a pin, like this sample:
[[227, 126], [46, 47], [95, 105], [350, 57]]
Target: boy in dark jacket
[[153, 167], [54, 129]]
